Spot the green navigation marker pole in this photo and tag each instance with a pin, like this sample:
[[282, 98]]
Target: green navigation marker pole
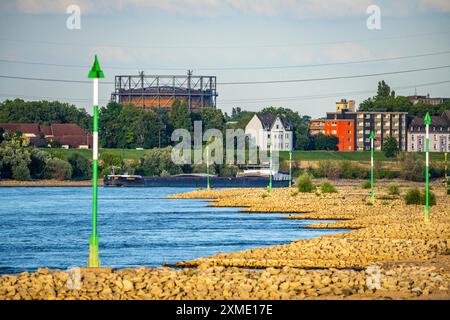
[[94, 74], [270, 164], [207, 167], [446, 170], [290, 168], [372, 194], [427, 122]]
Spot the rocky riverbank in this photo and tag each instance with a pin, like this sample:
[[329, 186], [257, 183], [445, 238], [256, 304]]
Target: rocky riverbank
[[387, 253]]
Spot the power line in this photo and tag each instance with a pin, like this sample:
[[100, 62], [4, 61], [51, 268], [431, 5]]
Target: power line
[[127, 46], [328, 95], [250, 100], [331, 78], [238, 68], [249, 82]]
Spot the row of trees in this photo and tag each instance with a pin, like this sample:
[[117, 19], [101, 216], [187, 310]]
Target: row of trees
[[125, 126], [386, 100], [19, 161], [43, 112]]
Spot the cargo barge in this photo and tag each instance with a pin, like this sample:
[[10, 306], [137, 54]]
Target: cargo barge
[[194, 181]]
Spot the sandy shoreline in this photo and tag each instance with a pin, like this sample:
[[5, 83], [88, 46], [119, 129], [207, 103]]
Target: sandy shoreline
[[388, 253]]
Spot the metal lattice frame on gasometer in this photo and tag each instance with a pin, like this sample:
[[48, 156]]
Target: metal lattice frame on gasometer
[[162, 90]]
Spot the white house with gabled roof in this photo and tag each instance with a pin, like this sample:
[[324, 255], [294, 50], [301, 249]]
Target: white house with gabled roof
[[264, 128]]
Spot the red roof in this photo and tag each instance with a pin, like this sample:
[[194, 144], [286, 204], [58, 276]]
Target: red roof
[[67, 134], [25, 128], [46, 130], [67, 129]]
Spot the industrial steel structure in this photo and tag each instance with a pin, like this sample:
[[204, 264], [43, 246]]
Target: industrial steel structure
[[160, 91]]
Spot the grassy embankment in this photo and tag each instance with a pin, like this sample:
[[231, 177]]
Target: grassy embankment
[[133, 154]]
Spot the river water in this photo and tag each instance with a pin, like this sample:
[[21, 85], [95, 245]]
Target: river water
[[50, 227]]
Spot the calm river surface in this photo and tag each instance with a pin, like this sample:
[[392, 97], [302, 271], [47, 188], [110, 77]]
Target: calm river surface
[[50, 227]]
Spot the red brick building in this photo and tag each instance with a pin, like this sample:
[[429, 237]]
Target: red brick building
[[344, 129], [69, 135]]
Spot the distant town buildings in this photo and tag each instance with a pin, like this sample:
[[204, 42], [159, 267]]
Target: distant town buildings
[[345, 105], [353, 128], [439, 134], [317, 126], [344, 129], [161, 91], [427, 100], [383, 124], [69, 135], [264, 128]]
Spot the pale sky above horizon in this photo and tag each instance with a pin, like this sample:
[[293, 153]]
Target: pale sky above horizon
[[211, 36]]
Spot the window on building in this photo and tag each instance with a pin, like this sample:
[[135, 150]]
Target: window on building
[[333, 132], [349, 131], [287, 145], [412, 137], [287, 135], [349, 139], [278, 126]]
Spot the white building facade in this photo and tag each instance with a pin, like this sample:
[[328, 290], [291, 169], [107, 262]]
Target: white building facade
[[439, 134], [264, 128]]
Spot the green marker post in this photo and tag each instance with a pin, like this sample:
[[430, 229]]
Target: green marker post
[[95, 73], [446, 170], [372, 193], [427, 122], [290, 168], [207, 168], [270, 164]]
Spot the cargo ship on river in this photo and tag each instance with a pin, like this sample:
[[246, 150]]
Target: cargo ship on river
[[195, 181]]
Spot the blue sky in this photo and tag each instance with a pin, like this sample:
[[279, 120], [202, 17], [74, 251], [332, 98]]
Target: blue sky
[[160, 36]]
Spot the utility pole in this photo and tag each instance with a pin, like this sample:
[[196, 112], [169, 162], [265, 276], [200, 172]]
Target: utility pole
[[372, 194], [290, 168], [95, 73], [427, 122]]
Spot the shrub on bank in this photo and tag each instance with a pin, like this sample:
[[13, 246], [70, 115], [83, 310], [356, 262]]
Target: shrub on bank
[[304, 183], [21, 172], [81, 166], [411, 167], [415, 196], [327, 187], [335, 169], [57, 169], [393, 190], [366, 185]]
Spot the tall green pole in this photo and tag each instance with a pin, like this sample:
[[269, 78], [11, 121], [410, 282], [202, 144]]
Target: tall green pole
[[372, 193], [446, 170], [290, 168], [427, 122], [207, 168], [94, 262], [270, 164]]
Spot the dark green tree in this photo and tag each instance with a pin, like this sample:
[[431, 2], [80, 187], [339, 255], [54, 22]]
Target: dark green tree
[[179, 117], [44, 112], [390, 147], [323, 142], [81, 166]]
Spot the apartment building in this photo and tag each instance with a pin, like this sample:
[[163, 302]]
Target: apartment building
[[439, 134], [344, 130], [383, 124]]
